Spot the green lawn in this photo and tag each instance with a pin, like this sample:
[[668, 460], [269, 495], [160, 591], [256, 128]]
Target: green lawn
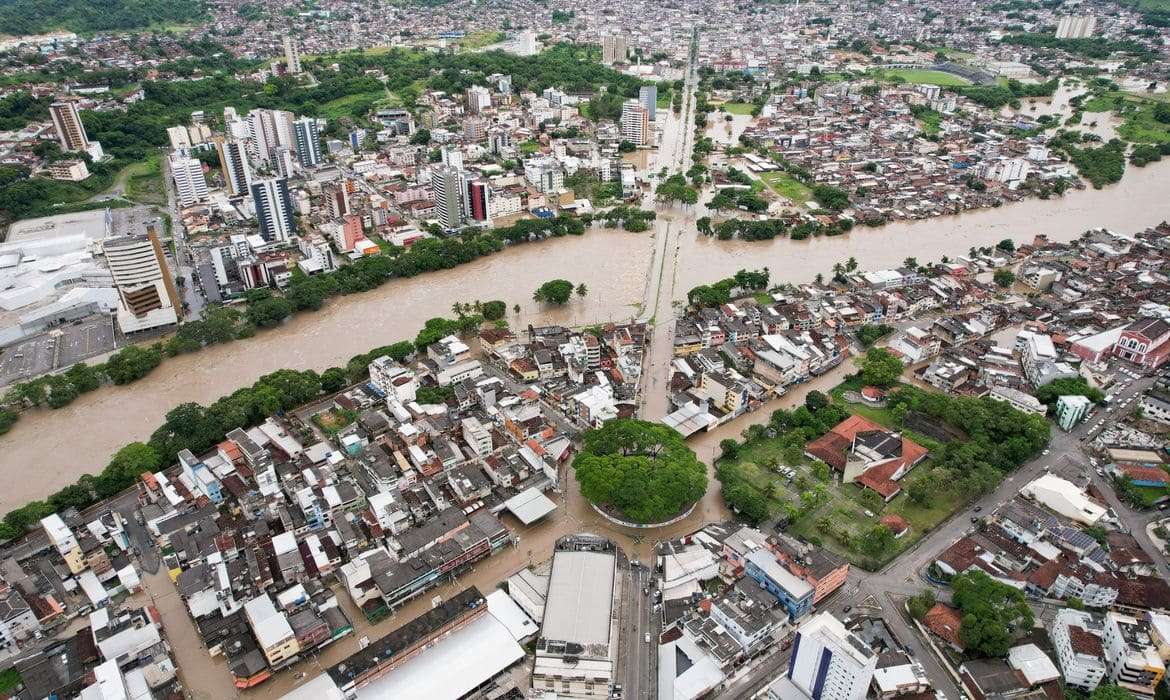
[[922, 77], [478, 40], [665, 98], [740, 108], [144, 182], [787, 186], [9, 680], [356, 105]]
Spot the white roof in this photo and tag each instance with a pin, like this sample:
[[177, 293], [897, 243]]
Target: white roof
[[580, 597], [451, 667], [320, 688], [1033, 663], [1063, 498], [767, 563], [702, 674], [530, 505], [284, 543], [515, 620], [270, 626]]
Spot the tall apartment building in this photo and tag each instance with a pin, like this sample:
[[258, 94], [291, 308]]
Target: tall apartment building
[[147, 296], [478, 196], [479, 98], [526, 43], [1076, 639], [179, 137], [635, 123], [237, 172], [1076, 26], [307, 141], [190, 185], [274, 209], [292, 55], [1131, 656], [614, 49], [448, 186], [828, 662], [262, 138], [648, 96], [67, 121]]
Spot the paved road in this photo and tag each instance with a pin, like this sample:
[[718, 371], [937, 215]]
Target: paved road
[[637, 680]]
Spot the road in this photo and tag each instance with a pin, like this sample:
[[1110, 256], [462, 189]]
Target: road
[[674, 154], [901, 578], [192, 298], [638, 662]]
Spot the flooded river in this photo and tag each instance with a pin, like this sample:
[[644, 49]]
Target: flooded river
[[50, 449]]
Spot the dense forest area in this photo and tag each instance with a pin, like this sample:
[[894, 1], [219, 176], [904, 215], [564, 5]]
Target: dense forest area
[[35, 17]]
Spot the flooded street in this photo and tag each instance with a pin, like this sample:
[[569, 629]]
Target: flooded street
[[626, 273]]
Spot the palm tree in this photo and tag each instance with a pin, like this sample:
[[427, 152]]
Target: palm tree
[[457, 308], [582, 290], [516, 308], [851, 263], [820, 279], [838, 268], [910, 262]]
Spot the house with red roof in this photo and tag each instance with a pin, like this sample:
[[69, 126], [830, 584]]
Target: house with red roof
[[867, 454], [943, 621]]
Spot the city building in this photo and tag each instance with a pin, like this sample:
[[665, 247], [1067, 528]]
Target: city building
[[447, 183], [795, 594], [67, 121], [1075, 26], [478, 200], [190, 184], [308, 143], [292, 55], [147, 296], [648, 96], [828, 662], [635, 123], [479, 99], [237, 171], [1071, 410], [274, 209], [614, 49], [1131, 656], [576, 650], [1076, 639]]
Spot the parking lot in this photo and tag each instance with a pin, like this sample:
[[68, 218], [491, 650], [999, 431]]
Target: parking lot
[[59, 347]]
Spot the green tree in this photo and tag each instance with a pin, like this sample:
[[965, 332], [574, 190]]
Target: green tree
[[555, 291], [921, 604], [880, 367], [1004, 278], [269, 312], [728, 449], [643, 471], [333, 379], [582, 290], [992, 612], [494, 310]]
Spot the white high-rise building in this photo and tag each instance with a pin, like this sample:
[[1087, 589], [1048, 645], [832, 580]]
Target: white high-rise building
[[147, 296], [479, 98], [451, 156], [262, 134], [635, 123], [67, 120], [308, 143], [614, 49], [274, 209], [828, 662], [448, 186], [237, 173], [190, 185], [1076, 27], [526, 43], [292, 55], [179, 137]]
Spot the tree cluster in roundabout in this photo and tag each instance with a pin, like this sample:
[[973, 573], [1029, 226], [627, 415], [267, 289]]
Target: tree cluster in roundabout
[[639, 471]]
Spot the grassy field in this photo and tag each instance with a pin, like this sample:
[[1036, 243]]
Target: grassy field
[[664, 98], [356, 105], [1139, 124], [144, 182], [922, 77], [478, 40], [787, 186], [839, 515], [741, 108]]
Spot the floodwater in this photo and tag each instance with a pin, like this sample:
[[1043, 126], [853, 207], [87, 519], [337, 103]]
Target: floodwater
[[58, 446]]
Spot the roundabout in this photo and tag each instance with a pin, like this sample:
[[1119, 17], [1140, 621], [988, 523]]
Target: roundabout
[[639, 474]]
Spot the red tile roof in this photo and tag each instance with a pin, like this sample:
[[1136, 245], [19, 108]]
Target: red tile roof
[[944, 621], [895, 522]]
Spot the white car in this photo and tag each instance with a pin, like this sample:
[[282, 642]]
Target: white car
[[1045, 452]]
